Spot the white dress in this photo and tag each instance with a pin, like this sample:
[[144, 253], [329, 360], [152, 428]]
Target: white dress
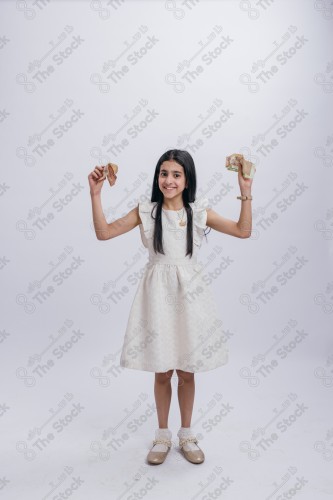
[[173, 322]]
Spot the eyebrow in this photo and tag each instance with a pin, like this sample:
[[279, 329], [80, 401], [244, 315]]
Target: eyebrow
[[177, 171]]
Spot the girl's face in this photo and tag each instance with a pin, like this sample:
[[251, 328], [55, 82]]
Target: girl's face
[[171, 179]]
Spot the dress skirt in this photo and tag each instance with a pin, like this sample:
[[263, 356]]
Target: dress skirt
[[173, 321]]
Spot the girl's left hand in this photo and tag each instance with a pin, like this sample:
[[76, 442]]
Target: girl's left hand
[[244, 184]]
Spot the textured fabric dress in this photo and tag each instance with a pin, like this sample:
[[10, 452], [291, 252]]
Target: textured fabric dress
[[173, 322]]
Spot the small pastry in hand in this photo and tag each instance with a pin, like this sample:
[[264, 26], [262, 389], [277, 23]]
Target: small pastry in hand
[[234, 161], [109, 172]]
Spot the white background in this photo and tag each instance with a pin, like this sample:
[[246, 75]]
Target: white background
[[265, 419]]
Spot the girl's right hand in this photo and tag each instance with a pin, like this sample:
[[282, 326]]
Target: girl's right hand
[[93, 177]]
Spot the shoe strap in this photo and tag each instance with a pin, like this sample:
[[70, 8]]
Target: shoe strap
[[162, 441], [190, 439]]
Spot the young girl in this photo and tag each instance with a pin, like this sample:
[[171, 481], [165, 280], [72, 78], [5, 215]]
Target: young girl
[[173, 323]]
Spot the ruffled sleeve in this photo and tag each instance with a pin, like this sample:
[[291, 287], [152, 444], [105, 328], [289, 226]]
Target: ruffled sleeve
[[199, 219], [147, 222]]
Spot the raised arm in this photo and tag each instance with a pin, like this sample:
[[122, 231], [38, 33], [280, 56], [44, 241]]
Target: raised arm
[[243, 227], [103, 229]]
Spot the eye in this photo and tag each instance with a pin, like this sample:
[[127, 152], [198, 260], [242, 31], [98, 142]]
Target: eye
[[164, 173]]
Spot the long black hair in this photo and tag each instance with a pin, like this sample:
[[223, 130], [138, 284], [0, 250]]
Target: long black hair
[[186, 161]]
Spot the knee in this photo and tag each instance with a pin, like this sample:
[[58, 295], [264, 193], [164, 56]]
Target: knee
[[185, 376], [163, 377]]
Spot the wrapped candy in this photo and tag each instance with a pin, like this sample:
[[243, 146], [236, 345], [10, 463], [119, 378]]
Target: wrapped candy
[[109, 172], [236, 160]]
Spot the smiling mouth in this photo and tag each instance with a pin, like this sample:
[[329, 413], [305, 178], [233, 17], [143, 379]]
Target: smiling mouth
[[169, 189]]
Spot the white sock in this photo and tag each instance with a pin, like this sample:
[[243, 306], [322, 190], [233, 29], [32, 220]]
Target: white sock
[[187, 432], [161, 434]]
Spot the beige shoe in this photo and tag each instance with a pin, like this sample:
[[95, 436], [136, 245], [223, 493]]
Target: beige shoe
[[158, 457], [194, 456]]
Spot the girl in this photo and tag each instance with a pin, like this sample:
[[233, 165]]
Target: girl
[[173, 323]]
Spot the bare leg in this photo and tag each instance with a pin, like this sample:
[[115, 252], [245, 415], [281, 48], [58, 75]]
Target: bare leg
[[186, 391], [163, 391]]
